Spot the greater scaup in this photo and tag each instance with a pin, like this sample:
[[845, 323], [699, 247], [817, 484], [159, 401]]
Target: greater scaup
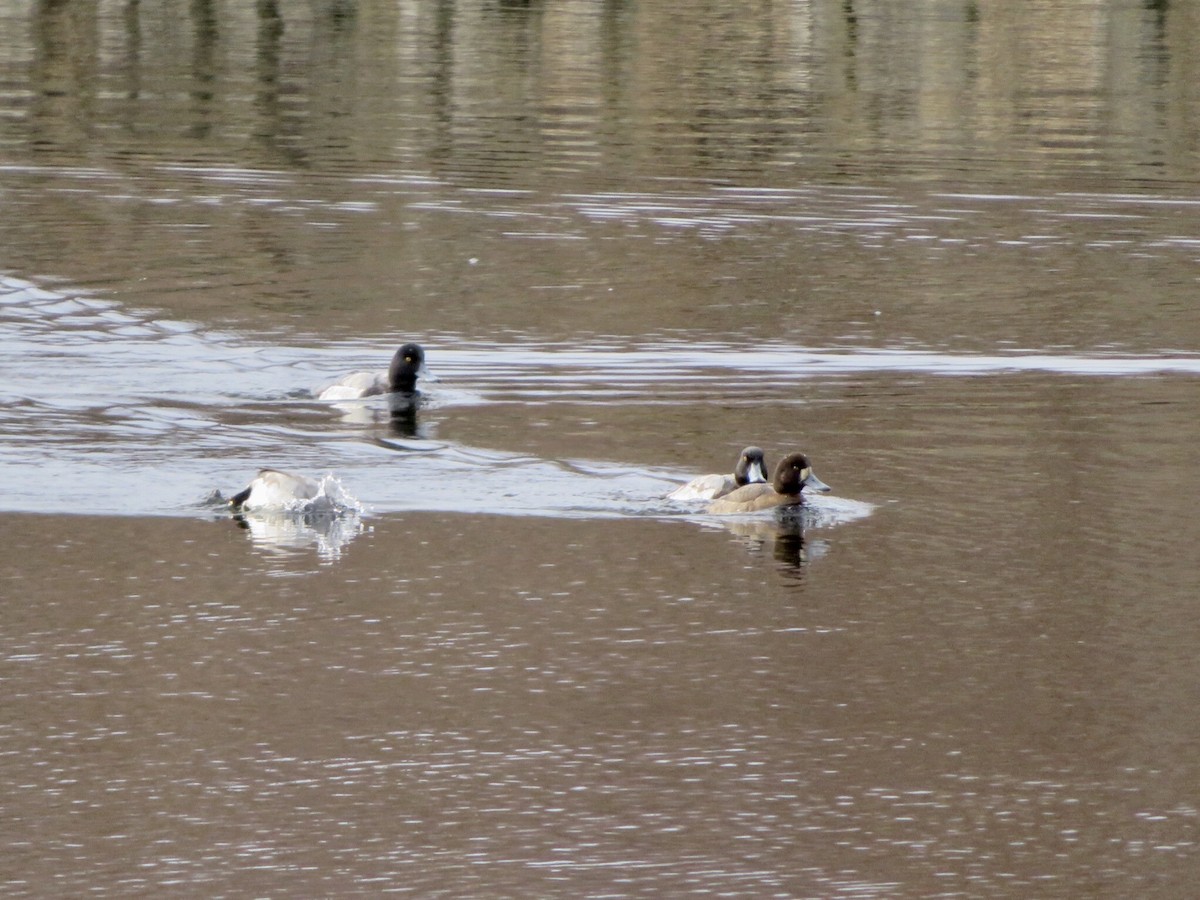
[[793, 474], [272, 489], [751, 468], [401, 376]]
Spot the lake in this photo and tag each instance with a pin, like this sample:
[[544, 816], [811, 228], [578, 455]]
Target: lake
[[949, 250]]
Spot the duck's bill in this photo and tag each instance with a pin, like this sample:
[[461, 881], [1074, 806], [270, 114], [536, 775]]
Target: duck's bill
[[813, 483], [427, 375], [756, 474]]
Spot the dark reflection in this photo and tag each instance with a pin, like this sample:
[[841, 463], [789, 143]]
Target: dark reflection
[[781, 536], [50, 30], [132, 19], [817, 85], [789, 545], [269, 36], [62, 76], [1161, 10], [613, 37], [333, 84], [851, 26], [274, 130], [341, 12], [402, 407], [204, 61], [204, 66], [399, 412], [441, 43]]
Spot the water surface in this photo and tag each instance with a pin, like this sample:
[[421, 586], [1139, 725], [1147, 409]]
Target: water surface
[[950, 252]]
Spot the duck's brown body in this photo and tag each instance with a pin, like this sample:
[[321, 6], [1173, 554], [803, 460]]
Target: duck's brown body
[[793, 474]]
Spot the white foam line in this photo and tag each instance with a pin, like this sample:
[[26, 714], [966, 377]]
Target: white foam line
[[673, 362]]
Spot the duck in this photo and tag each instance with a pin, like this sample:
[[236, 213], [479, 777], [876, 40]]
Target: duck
[[401, 376], [273, 489], [751, 468], [793, 475]]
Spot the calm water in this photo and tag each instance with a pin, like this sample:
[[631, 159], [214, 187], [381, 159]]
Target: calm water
[[951, 250]]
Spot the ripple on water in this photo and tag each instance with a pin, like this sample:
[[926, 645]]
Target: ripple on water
[[159, 413]]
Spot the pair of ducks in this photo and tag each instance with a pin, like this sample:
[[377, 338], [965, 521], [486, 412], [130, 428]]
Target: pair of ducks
[[747, 489], [273, 489]]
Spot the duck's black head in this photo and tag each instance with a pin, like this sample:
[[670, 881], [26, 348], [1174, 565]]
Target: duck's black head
[[406, 366], [751, 467], [794, 473]]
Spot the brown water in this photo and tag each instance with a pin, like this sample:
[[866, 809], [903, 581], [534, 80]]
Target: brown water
[[951, 250]]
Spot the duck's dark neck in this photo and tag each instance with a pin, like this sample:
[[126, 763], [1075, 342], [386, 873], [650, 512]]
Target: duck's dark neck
[[401, 377], [787, 488]]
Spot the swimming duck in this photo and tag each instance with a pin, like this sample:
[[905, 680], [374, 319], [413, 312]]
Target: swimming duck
[[751, 468], [272, 489], [793, 474], [407, 364]]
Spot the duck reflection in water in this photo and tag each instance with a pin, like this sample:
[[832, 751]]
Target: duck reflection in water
[[282, 533], [399, 412], [783, 536], [284, 511], [402, 414]]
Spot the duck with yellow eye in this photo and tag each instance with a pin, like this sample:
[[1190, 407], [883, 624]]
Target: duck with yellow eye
[[750, 468], [793, 475], [401, 377]]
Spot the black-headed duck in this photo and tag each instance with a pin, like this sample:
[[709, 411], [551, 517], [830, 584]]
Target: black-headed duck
[[401, 376], [793, 474], [751, 468]]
